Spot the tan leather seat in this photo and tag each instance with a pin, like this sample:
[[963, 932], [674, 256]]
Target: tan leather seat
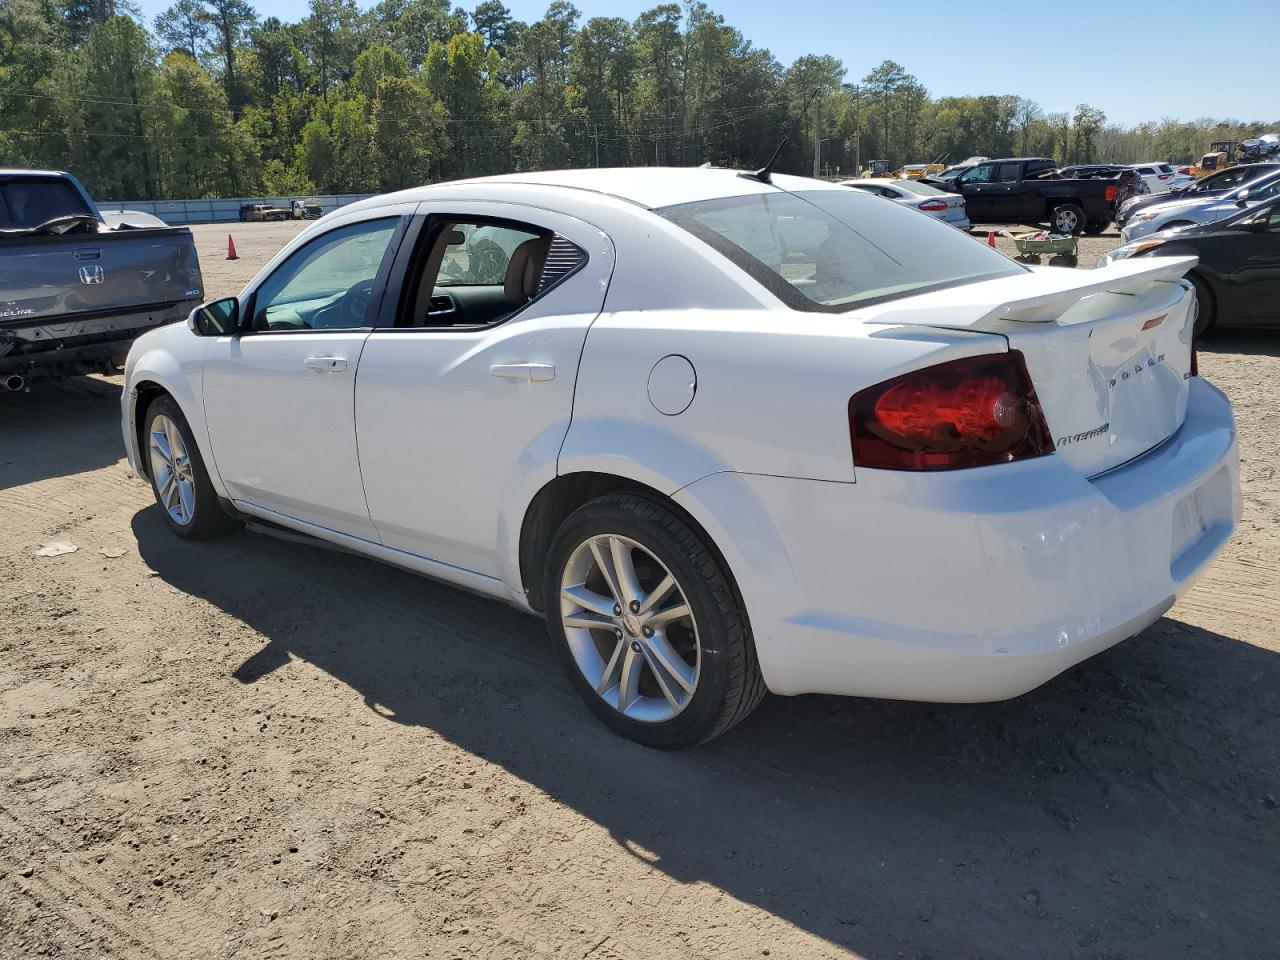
[[524, 270]]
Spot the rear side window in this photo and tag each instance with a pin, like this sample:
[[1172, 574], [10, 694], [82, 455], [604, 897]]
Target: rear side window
[[25, 204], [833, 251]]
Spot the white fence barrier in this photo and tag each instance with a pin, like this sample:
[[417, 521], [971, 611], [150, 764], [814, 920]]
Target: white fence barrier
[[225, 210]]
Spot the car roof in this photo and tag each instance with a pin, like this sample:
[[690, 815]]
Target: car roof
[[19, 172], [877, 181], [649, 187]]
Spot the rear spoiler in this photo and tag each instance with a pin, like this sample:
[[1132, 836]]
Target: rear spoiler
[[1038, 296]]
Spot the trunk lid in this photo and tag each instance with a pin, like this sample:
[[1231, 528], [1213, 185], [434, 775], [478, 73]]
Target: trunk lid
[[58, 278], [1109, 350]]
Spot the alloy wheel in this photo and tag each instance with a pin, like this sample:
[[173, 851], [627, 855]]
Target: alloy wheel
[[171, 470], [630, 628]]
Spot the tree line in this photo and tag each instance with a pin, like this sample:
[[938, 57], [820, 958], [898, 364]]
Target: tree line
[[214, 100]]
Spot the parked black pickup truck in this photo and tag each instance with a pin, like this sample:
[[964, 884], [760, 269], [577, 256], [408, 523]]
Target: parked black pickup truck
[[1029, 190], [77, 286]]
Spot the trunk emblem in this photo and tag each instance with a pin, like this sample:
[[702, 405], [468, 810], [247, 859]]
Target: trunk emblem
[[1087, 435], [91, 275]]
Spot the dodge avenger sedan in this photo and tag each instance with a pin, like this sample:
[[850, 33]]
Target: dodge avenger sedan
[[727, 433]]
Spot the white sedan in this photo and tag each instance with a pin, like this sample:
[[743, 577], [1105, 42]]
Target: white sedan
[[726, 433], [947, 207]]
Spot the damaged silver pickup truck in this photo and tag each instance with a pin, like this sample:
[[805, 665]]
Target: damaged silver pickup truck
[[77, 286]]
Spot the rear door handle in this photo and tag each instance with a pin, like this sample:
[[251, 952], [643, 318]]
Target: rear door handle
[[325, 364], [524, 371]]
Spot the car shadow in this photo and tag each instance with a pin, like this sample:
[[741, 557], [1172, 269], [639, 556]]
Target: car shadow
[[1264, 343], [1120, 811], [57, 429]]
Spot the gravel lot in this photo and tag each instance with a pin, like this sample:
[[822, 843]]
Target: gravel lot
[[261, 748]]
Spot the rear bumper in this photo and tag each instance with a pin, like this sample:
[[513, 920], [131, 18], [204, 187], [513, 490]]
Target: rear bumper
[[65, 348], [978, 584]]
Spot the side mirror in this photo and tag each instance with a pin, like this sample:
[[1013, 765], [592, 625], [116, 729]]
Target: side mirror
[[1242, 198], [217, 319]]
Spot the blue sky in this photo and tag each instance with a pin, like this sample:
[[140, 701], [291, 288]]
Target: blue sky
[[1137, 61]]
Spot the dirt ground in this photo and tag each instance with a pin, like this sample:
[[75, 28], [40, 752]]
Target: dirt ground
[[256, 748]]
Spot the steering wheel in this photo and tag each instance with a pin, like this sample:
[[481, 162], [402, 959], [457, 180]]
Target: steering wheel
[[353, 308]]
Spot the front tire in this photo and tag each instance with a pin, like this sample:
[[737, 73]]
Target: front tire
[[649, 624], [1206, 308], [179, 479]]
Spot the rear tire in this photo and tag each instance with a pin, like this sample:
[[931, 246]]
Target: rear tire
[[717, 681], [179, 480], [1206, 308], [1068, 218]]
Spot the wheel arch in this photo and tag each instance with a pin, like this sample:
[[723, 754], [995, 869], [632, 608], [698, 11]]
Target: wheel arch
[[564, 494], [157, 372], [144, 393]]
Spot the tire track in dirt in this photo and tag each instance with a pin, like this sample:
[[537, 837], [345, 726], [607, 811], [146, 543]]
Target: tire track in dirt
[[80, 898]]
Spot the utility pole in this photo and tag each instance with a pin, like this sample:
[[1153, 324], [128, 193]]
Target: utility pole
[[817, 142], [597, 144], [857, 131]]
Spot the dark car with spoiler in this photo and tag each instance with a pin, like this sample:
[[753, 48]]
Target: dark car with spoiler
[[78, 286]]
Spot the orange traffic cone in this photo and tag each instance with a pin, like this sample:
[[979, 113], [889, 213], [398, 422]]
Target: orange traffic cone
[[231, 249], [991, 239]]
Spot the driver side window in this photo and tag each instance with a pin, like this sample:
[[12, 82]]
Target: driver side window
[[328, 284], [980, 174]]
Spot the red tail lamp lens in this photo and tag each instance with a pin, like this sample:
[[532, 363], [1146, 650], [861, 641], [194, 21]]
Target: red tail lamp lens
[[933, 206], [964, 413], [1111, 194]]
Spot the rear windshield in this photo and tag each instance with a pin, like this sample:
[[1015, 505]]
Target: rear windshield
[[28, 203], [922, 189], [832, 251]]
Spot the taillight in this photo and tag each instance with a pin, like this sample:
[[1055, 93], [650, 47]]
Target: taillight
[[932, 206], [1111, 193], [963, 413], [1165, 176]]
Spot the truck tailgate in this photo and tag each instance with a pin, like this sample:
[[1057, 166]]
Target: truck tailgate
[[60, 278]]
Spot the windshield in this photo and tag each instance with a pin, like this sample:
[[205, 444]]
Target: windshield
[[1231, 177], [922, 189], [834, 250]]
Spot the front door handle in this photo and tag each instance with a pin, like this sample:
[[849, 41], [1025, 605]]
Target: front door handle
[[325, 364], [535, 372]]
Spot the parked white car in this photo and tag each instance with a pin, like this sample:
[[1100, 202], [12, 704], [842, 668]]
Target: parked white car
[[947, 207], [1162, 177], [1189, 210], [724, 434]]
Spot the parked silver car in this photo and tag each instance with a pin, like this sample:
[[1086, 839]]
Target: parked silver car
[[1185, 212], [947, 207]]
